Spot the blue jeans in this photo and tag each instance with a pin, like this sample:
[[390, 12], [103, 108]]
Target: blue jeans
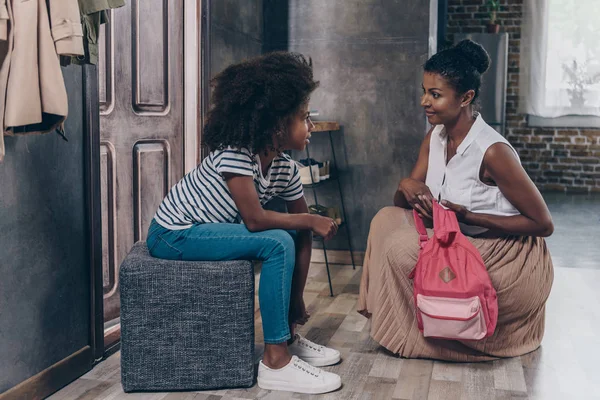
[[220, 242]]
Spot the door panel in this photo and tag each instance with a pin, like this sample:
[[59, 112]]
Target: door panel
[[151, 181], [106, 65], [150, 54], [108, 202], [141, 125]]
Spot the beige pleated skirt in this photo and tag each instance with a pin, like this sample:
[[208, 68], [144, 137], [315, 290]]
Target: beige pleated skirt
[[520, 268]]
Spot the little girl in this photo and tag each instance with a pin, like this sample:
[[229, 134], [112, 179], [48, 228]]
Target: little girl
[[259, 110]]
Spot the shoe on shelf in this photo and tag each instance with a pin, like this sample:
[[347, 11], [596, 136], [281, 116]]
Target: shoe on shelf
[[322, 169], [297, 376], [314, 354], [305, 172], [331, 212], [308, 161], [318, 209]]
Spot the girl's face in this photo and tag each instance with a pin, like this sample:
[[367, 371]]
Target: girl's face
[[299, 129], [441, 102]]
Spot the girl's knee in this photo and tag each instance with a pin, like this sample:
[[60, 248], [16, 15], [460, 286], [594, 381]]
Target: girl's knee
[[280, 254], [282, 240]]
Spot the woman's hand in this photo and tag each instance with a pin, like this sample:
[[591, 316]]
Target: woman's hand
[[418, 195], [462, 214], [324, 227]]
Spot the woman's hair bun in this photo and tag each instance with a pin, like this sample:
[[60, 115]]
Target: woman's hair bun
[[475, 54]]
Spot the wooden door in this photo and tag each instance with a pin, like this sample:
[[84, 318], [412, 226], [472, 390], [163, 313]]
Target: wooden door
[[141, 125]]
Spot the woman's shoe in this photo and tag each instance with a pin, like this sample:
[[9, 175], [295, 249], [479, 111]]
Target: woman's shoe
[[298, 376]]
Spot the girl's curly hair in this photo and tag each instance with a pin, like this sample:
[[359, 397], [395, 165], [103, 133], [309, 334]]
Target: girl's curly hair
[[255, 99]]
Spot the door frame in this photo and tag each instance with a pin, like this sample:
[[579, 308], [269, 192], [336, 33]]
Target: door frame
[[192, 68], [108, 342], [91, 112], [205, 72]]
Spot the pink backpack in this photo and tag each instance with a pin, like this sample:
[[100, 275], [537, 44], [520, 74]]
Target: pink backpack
[[454, 296]]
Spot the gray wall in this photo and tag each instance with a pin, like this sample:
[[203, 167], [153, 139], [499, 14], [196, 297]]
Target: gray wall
[[368, 56], [44, 255], [236, 32]]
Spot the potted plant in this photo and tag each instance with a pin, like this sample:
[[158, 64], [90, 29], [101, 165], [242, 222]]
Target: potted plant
[[493, 8], [579, 79]]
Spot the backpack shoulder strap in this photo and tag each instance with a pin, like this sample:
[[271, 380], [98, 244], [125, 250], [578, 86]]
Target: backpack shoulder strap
[[423, 238]]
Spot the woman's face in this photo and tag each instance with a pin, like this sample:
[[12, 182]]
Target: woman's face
[[299, 129], [441, 102]]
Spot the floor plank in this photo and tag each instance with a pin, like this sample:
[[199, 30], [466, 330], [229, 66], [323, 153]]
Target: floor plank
[[414, 380]]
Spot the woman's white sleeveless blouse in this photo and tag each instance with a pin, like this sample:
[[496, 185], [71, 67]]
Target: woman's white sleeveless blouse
[[458, 181]]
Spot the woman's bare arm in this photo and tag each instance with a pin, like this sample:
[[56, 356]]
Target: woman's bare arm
[[409, 187], [501, 164]]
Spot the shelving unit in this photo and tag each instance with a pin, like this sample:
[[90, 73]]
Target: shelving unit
[[329, 127]]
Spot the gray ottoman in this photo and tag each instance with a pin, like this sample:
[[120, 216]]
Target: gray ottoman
[[185, 325]]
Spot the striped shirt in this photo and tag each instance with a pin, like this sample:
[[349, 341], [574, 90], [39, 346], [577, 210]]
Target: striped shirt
[[202, 196]]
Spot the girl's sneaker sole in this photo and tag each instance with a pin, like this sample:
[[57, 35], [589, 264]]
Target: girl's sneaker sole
[[290, 387], [318, 362]]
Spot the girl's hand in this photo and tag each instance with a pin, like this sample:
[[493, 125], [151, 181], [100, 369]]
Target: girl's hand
[[418, 195], [462, 214], [298, 313], [324, 227]]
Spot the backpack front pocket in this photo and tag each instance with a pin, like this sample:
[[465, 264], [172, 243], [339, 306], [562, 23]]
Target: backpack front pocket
[[451, 318]]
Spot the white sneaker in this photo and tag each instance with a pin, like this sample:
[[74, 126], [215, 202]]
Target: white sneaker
[[297, 376], [314, 354]]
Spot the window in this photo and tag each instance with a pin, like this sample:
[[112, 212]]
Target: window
[[560, 59]]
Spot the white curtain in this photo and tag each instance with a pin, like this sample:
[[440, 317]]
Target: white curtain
[[560, 58]]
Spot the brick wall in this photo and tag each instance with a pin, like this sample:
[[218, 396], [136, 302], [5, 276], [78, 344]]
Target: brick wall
[[555, 159]]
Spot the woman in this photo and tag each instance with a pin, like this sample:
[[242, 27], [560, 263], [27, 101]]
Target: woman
[[474, 171]]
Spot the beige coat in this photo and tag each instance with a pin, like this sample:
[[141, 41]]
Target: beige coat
[[33, 98]]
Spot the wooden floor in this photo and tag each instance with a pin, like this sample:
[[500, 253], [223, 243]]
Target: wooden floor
[[565, 367]]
